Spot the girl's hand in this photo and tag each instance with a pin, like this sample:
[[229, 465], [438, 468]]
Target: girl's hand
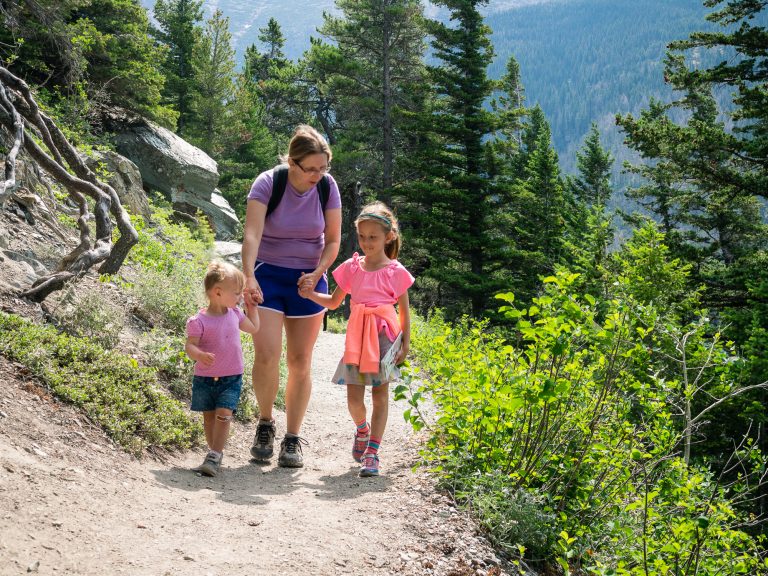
[[207, 358], [309, 280], [305, 289], [252, 293], [401, 355]]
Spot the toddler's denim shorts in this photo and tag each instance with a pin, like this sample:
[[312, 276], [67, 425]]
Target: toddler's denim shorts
[[209, 392], [281, 290]]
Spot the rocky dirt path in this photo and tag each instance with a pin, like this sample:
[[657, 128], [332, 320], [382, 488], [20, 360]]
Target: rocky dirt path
[[73, 503]]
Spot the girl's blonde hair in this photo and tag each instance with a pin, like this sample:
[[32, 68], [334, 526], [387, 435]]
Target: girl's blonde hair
[[305, 142], [218, 272], [382, 214]]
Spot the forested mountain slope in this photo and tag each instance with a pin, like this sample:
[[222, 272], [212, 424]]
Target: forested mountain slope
[[587, 60], [581, 60]]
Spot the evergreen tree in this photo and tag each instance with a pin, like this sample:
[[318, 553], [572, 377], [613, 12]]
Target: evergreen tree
[[590, 229], [540, 208], [371, 68], [94, 51], [454, 209], [277, 83], [213, 88], [707, 180], [258, 65], [509, 107], [593, 184], [123, 60], [180, 32]]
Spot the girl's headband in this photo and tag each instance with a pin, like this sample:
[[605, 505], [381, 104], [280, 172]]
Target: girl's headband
[[384, 219]]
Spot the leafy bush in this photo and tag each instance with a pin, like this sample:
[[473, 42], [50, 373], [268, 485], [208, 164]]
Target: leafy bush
[[171, 261], [582, 410], [109, 387], [164, 351]]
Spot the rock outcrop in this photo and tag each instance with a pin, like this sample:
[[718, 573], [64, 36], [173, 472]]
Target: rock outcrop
[[125, 178], [186, 175]]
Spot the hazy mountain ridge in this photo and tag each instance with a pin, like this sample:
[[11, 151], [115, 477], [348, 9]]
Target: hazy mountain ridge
[[581, 60]]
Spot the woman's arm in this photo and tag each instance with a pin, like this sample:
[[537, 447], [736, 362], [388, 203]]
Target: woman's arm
[[255, 214], [330, 250], [404, 313]]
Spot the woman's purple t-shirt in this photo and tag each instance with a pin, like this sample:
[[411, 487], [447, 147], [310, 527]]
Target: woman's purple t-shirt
[[293, 234]]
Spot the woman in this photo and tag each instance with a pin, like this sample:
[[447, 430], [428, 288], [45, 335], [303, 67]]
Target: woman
[[292, 243]]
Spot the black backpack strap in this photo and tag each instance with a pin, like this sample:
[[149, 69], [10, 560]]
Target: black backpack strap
[[324, 189], [279, 182]]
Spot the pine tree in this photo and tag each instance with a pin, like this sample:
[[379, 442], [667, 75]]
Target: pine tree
[[509, 107], [593, 184], [180, 32], [371, 69], [454, 209], [213, 88], [281, 86], [707, 178]]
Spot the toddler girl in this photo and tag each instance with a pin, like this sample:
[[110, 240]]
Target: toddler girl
[[213, 342]]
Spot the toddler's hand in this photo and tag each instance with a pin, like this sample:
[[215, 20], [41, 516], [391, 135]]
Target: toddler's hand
[[207, 358]]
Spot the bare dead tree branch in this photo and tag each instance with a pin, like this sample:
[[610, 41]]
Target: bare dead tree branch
[[62, 161]]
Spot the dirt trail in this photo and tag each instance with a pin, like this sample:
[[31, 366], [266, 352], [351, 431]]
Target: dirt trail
[[73, 503]]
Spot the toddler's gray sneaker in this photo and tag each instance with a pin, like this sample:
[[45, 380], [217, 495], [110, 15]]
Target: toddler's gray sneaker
[[211, 465]]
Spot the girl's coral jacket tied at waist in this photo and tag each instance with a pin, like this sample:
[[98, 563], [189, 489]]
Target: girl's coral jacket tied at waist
[[362, 342]]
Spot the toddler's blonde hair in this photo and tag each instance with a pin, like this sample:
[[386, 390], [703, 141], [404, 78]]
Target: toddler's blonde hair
[[219, 271]]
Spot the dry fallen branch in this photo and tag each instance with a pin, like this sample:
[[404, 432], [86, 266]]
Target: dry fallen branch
[[21, 116]]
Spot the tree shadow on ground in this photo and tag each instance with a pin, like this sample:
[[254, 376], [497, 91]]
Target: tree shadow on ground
[[253, 483]]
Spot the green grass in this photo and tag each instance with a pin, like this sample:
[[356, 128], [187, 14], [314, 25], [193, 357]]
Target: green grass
[[111, 388]]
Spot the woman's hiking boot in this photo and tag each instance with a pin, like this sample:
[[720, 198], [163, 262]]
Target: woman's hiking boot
[[264, 441], [290, 452]]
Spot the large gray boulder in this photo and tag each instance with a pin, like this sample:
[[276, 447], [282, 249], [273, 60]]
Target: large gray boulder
[[186, 175], [125, 178]]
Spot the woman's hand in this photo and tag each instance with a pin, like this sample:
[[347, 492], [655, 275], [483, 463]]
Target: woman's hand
[[308, 281], [252, 293]]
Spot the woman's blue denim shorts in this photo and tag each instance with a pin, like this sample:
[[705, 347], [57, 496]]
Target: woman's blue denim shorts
[[209, 392]]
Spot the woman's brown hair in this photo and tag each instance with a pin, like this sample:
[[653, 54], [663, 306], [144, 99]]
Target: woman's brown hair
[[305, 142]]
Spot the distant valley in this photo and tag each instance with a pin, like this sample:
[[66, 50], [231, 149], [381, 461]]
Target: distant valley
[[581, 60]]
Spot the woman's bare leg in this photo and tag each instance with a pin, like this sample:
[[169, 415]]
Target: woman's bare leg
[[268, 346], [300, 334]]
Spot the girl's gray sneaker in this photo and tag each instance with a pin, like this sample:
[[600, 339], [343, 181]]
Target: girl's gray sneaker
[[211, 465]]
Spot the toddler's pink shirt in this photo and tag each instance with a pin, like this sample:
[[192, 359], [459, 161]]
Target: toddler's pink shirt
[[220, 335]]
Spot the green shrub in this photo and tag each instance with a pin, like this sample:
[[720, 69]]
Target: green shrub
[[171, 261], [581, 409], [90, 315], [164, 351], [337, 324], [109, 387]]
